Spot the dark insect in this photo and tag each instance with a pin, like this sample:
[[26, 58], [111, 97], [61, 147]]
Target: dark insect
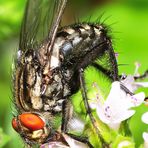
[[50, 68]]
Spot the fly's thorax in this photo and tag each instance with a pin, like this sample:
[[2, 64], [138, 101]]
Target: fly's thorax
[[33, 89]]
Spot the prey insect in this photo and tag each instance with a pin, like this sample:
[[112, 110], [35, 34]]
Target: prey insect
[[49, 69]]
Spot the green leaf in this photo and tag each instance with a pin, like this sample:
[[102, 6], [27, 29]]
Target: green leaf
[[3, 138]]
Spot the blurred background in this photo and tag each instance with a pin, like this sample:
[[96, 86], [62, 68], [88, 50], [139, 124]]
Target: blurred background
[[128, 20]]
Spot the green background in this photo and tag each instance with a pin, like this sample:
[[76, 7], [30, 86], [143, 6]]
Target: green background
[[128, 20]]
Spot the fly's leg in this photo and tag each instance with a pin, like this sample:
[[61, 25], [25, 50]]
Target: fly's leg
[[88, 109], [85, 99], [140, 77], [143, 76], [67, 111]]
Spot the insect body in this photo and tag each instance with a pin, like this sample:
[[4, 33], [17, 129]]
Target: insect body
[[47, 76]]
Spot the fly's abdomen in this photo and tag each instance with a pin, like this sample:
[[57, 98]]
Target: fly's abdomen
[[84, 44], [82, 38], [77, 41]]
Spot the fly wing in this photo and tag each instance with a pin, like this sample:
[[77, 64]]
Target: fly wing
[[41, 21]]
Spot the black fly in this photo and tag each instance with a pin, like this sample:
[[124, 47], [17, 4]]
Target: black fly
[[50, 68]]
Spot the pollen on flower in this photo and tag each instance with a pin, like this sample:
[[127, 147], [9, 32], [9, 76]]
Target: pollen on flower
[[107, 111], [145, 117], [134, 100]]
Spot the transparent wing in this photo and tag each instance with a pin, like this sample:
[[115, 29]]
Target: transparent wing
[[41, 20]]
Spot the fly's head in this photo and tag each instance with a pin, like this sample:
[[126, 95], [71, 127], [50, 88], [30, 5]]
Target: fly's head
[[32, 127]]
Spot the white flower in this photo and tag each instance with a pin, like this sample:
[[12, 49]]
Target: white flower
[[124, 143], [71, 143], [145, 117], [54, 144], [145, 134], [145, 137], [74, 143], [117, 106], [132, 85], [130, 82]]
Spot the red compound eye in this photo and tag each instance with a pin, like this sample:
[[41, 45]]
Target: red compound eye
[[31, 121], [14, 124]]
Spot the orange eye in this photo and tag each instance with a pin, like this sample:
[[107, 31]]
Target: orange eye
[[31, 121], [14, 124]]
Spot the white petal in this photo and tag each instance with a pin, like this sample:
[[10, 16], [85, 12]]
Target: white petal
[[125, 115], [137, 99], [129, 82], [71, 142], [114, 126], [93, 105], [101, 115], [114, 93], [124, 143], [132, 85], [145, 117], [54, 145], [142, 84], [74, 143], [145, 137]]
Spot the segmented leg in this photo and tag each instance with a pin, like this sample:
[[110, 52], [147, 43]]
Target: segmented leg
[[88, 109], [143, 76], [67, 111], [66, 116], [140, 77], [126, 89]]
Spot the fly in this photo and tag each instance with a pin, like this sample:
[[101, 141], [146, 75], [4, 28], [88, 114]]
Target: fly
[[50, 68]]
